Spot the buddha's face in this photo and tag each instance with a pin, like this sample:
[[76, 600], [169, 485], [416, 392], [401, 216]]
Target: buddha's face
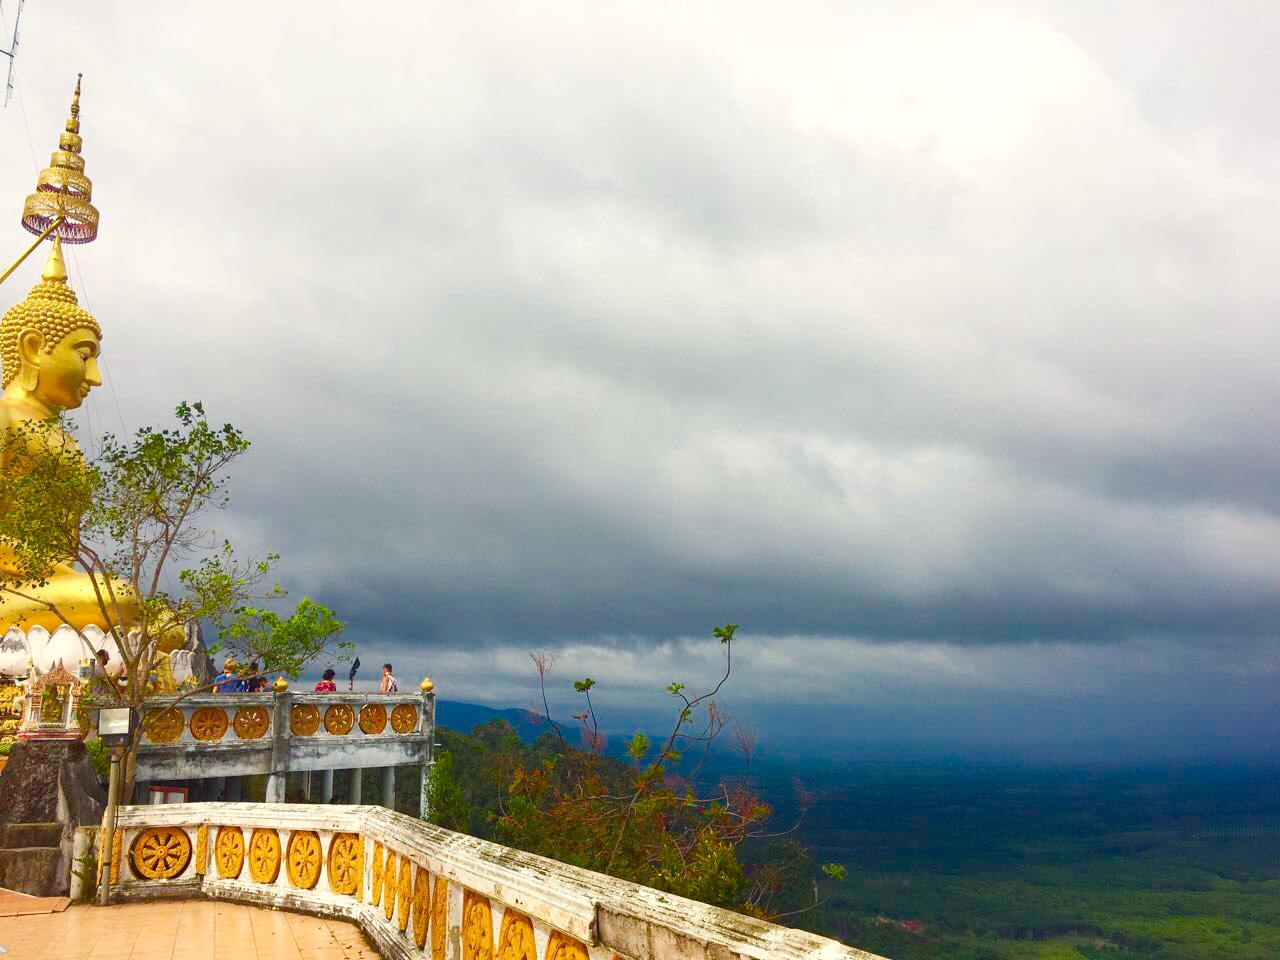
[[69, 371]]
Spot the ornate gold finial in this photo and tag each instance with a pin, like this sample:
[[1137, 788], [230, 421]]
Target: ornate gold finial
[[55, 268], [426, 686], [62, 189], [281, 685]]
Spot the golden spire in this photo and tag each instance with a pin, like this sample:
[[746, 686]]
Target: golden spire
[[55, 268], [62, 189]]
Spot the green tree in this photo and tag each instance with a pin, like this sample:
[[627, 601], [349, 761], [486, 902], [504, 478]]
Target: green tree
[[446, 802], [650, 820], [135, 519]]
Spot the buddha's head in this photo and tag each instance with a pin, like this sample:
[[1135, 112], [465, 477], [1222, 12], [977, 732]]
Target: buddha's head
[[49, 344]]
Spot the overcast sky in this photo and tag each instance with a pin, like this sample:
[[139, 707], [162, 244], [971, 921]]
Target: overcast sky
[[936, 344]]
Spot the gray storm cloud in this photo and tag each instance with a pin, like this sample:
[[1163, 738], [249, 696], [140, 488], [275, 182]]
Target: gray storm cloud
[[884, 328]]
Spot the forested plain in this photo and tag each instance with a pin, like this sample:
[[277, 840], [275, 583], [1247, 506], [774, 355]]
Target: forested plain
[[949, 860]]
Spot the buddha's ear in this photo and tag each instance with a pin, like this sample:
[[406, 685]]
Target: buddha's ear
[[30, 343]]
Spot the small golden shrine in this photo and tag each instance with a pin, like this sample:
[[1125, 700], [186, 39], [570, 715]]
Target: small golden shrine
[[51, 705]]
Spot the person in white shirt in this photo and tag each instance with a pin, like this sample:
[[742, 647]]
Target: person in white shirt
[[388, 680]]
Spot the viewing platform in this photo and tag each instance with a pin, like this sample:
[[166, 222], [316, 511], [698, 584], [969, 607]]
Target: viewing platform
[[414, 889], [245, 734]]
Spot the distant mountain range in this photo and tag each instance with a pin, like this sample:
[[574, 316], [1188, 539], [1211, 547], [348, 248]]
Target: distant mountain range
[[463, 717]]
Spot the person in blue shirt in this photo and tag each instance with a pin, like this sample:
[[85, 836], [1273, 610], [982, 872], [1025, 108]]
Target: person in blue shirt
[[227, 681]]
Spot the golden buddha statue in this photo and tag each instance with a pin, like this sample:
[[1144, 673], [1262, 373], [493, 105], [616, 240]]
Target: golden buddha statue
[[49, 348]]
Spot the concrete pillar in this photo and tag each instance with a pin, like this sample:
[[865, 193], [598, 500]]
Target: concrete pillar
[[276, 783], [326, 787], [277, 779], [306, 786], [353, 793], [389, 787]]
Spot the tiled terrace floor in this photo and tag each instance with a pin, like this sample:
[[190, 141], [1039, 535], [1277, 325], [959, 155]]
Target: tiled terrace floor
[[180, 930]]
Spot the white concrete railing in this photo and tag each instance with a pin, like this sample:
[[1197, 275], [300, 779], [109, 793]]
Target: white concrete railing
[[241, 734], [421, 891]]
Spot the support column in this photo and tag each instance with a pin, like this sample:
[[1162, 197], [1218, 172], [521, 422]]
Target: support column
[[326, 786], [426, 729], [276, 783], [389, 787], [277, 779], [353, 793], [306, 786]]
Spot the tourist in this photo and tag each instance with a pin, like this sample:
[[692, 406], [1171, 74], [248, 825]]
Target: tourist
[[227, 681], [257, 681], [388, 680], [327, 684]]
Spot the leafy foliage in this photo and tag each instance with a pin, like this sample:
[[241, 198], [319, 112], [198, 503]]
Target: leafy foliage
[[133, 518], [651, 820]]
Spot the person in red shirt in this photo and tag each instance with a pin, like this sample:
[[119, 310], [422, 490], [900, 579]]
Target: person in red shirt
[[327, 684]]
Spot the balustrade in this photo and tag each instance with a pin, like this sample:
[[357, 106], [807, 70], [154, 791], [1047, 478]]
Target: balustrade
[[421, 891]]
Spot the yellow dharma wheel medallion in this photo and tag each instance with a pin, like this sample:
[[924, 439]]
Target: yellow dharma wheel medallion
[[376, 892], [163, 726], [228, 852], [405, 900], [304, 859], [161, 853], [439, 912], [304, 720], [477, 925], [404, 718], [373, 718], [344, 863], [389, 887], [560, 947], [339, 719], [209, 723], [251, 722], [421, 906], [264, 855], [515, 942]]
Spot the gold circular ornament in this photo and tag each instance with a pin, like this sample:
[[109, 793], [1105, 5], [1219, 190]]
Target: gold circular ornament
[[515, 942], [376, 892], [161, 853], [421, 906], [477, 927], [404, 718], [264, 855], [304, 858], [344, 863], [163, 726], [389, 887], [209, 723], [228, 852], [251, 722], [373, 718], [439, 913], [304, 720], [339, 719], [405, 899], [562, 947]]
